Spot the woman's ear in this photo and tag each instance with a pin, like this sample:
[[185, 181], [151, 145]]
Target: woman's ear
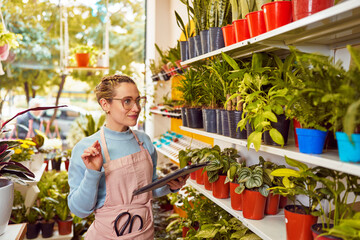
[[105, 105]]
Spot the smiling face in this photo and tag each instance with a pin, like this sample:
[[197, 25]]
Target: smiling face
[[119, 118]]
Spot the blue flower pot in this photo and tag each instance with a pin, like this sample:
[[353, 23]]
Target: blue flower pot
[[311, 140], [348, 151]]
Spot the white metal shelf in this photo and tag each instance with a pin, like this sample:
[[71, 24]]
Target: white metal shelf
[[165, 113], [329, 29], [330, 159], [270, 228]]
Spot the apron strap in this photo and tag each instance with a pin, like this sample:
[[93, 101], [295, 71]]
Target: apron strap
[[137, 139], [103, 145]]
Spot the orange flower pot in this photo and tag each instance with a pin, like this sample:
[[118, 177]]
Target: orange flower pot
[[82, 59], [236, 199], [253, 205], [220, 189], [65, 227], [298, 226], [207, 184], [199, 177], [241, 30], [272, 204], [229, 36]]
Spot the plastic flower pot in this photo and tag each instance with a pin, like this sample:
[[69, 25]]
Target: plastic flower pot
[[348, 151], [47, 165], [56, 164], [304, 8], [229, 36], [311, 140], [65, 227], [32, 230], [205, 41], [220, 189], [218, 122], [193, 175], [216, 38], [316, 230], [236, 199], [249, 129], [47, 229], [82, 59], [296, 125], [256, 23], [207, 184], [272, 204], [194, 117], [199, 177], [67, 163], [184, 50], [241, 30], [282, 125], [198, 49], [210, 120], [253, 205], [183, 117], [225, 123], [277, 14], [298, 226], [191, 47], [282, 202]]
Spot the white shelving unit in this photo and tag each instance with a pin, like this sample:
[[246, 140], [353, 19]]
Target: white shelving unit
[[270, 228], [166, 113], [172, 150], [321, 32], [329, 159]]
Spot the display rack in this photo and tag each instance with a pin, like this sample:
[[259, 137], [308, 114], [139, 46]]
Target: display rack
[[171, 149], [271, 227], [321, 32], [165, 113], [56, 236], [14, 232]]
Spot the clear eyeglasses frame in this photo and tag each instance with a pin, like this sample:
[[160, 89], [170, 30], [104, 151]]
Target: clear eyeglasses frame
[[128, 102]]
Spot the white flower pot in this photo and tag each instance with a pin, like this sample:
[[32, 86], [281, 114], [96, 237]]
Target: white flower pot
[[37, 161], [6, 202]]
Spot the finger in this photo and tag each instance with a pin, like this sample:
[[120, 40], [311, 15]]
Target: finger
[[95, 143], [174, 186], [93, 151]]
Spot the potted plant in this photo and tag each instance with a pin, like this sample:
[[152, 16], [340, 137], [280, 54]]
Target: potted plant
[[47, 213], [311, 100], [336, 190], [217, 170], [345, 112], [39, 156], [233, 177], [254, 16], [184, 45], [23, 152], [63, 212], [202, 44], [82, 54], [33, 226], [304, 8], [276, 13], [12, 171], [300, 217], [348, 228]]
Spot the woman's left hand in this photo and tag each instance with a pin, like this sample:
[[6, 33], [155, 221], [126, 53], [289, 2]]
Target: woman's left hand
[[178, 183]]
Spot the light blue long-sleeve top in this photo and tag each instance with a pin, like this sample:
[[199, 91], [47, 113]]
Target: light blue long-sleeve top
[[87, 187]]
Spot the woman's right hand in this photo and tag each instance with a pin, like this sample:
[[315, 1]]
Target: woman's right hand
[[92, 157]]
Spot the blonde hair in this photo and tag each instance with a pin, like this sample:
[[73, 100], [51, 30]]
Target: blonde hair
[[106, 88]]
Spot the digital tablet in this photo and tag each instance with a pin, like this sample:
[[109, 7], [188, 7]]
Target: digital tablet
[[163, 181]]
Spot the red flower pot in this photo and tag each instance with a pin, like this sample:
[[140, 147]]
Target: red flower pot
[[220, 189], [296, 125], [82, 59], [67, 162], [65, 227], [207, 184], [298, 226], [304, 8], [193, 175], [241, 30], [184, 231], [316, 230], [272, 204], [199, 177], [256, 23], [283, 202], [47, 165], [253, 205], [229, 36], [277, 14], [236, 199]]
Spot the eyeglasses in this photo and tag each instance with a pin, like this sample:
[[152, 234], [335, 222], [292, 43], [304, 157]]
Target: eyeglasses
[[128, 102]]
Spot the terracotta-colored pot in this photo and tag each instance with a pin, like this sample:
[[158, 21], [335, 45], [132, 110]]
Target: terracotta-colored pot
[[207, 184], [67, 162], [220, 189], [47, 165], [236, 199], [283, 202], [82, 59], [298, 226], [253, 205], [272, 204], [65, 227], [199, 177]]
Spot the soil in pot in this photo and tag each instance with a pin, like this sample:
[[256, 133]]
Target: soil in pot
[[220, 189], [32, 230], [316, 230], [298, 224], [282, 125]]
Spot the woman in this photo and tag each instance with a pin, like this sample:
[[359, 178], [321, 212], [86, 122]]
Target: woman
[[108, 166]]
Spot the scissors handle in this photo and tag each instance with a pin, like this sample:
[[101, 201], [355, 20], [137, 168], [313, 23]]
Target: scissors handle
[[132, 221]]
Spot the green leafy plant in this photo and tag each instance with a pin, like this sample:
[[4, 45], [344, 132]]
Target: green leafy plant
[[33, 215], [83, 49], [24, 151], [201, 15], [91, 127], [348, 228], [18, 213], [247, 6], [9, 38], [191, 88], [298, 182], [219, 13], [46, 209], [185, 29], [61, 208]]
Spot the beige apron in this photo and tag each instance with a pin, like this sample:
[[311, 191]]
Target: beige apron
[[122, 177]]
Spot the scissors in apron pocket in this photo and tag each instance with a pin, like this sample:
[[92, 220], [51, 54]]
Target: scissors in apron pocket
[[130, 221]]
